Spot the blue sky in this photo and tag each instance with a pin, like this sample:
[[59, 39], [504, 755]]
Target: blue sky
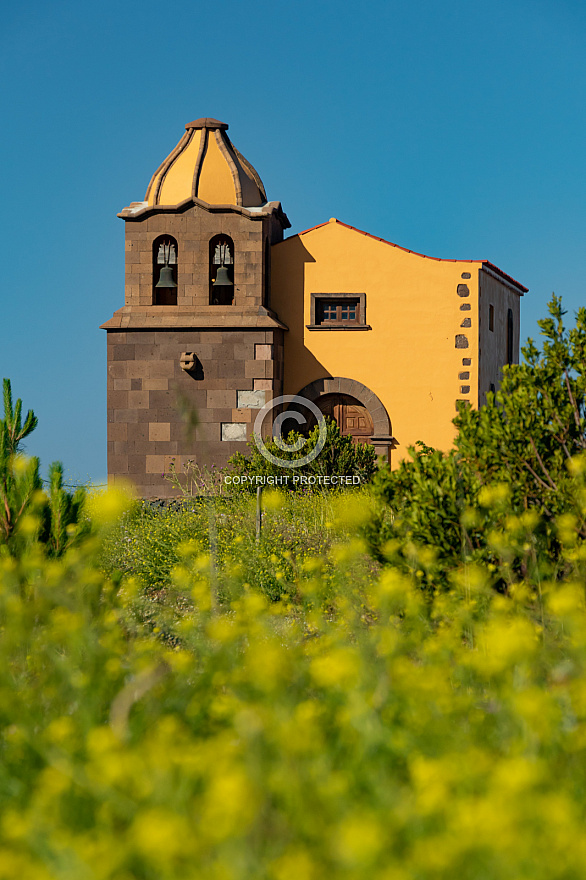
[[455, 129]]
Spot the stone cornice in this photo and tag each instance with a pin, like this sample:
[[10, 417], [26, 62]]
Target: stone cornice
[[139, 211], [184, 318]]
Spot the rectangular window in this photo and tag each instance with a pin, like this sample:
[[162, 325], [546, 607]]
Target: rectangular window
[[491, 317], [331, 311], [337, 311]]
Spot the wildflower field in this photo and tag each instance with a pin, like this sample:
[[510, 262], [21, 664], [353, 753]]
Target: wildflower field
[[387, 683], [337, 721]]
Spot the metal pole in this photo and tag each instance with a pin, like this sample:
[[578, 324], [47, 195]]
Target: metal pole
[[258, 513], [213, 535]]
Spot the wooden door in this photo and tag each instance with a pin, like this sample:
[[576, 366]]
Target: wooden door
[[351, 417]]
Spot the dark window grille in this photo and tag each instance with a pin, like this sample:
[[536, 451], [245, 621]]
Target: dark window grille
[[338, 312]]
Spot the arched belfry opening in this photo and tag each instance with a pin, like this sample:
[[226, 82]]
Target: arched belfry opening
[[165, 271], [221, 270]]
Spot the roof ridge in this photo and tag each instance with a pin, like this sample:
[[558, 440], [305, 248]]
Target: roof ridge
[[415, 253]]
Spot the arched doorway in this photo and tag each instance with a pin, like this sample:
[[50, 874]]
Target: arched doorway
[[350, 415], [359, 411]]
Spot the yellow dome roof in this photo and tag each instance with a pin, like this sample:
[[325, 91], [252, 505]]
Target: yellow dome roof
[[207, 166]]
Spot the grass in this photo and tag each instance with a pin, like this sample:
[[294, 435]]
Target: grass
[[300, 536], [173, 709]]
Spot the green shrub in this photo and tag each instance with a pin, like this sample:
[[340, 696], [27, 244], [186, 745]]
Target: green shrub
[[27, 513], [339, 457], [524, 444]]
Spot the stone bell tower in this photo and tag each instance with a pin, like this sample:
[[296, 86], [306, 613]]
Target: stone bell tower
[[196, 334]]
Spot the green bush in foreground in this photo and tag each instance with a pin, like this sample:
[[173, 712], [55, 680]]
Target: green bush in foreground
[[27, 513], [339, 457], [357, 733], [524, 445]]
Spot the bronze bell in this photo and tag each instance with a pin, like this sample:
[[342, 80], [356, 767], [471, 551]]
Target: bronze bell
[[222, 278], [166, 278]]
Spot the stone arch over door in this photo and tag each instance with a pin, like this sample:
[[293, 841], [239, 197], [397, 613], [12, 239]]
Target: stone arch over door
[[382, 438]]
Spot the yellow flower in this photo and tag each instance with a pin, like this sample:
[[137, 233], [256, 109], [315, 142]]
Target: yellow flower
[[504, 643], [294, 864], [339, 667], [358, 839], [160, 835], [229, 804], [496, 495], [107, 507]]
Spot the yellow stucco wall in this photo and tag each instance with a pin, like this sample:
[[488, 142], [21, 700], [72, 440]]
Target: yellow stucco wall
[[408, 358]]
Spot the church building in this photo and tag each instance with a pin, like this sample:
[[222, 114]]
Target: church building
[[222, 314]]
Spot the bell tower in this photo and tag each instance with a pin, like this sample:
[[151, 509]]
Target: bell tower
[[196, 333]]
